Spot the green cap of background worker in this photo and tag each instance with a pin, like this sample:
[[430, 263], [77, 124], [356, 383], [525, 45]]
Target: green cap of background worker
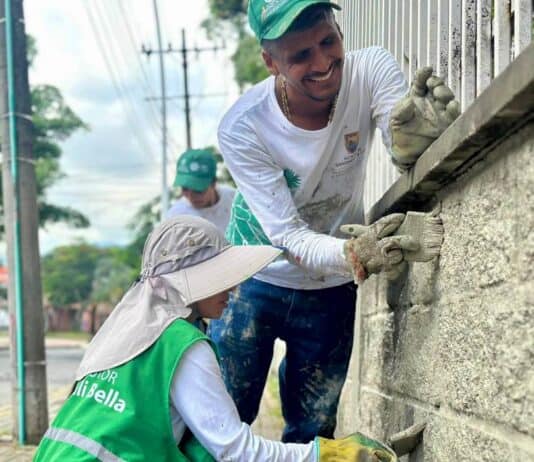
[[196, 169], [270, 19]]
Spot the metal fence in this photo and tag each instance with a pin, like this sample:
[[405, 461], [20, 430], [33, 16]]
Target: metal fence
[[468, 42]]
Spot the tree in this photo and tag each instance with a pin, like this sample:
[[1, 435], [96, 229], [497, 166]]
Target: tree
[[68, 273], [228, 18], [111, 279], [53, 122]]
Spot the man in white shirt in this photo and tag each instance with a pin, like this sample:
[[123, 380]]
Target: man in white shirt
[[296, 145], [201, 196]]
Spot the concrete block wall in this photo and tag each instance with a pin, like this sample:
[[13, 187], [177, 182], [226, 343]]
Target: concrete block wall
[[451, 343]]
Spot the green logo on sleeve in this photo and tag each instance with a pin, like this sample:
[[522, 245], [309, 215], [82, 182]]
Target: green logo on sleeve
[[292, 179], [244, 228]]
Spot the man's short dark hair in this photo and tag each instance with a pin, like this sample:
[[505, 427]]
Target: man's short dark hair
[[309, 17]]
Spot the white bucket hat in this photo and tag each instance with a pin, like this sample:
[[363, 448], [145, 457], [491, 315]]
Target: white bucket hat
[[185, 259]]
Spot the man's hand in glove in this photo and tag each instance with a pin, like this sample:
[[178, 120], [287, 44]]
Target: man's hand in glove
[[420, 117], [353, 448], [372, 249]]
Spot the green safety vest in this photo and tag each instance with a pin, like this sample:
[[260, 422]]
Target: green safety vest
[[123, 414]]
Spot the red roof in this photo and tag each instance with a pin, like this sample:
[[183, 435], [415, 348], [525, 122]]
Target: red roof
[[3, 275]]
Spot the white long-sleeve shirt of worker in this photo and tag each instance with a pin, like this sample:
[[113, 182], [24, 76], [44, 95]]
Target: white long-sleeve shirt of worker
[[218, 213], [201, 403], [261, 149]]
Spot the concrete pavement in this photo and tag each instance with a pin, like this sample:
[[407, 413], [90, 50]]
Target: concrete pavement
[[10, 451], [50, 343]]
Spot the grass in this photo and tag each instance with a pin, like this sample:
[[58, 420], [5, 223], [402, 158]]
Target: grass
[[69, 335]]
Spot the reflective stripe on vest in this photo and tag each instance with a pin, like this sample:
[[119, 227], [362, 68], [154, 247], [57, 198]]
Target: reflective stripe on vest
[[82, 442]]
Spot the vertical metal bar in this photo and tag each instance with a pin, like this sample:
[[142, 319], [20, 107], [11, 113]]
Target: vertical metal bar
[[468, 52], [442, 51], [522, 25], [412, 41], [372, 22], [385, 23], [432, 35], [483, 46], [353, 29], [503, 35], [360, 24], [366, 23], [390, 24], [399, 33], [455, 47], [405, 38], [422, 32]]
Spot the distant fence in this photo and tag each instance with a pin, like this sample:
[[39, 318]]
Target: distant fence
[[468, 42]]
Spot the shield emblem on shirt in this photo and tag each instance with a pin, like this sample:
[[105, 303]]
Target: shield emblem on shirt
[[351, 141]]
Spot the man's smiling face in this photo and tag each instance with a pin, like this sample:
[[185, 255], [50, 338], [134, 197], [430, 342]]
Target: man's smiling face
[[311, 60]]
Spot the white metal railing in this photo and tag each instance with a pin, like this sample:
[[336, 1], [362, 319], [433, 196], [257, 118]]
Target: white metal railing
[[468, 42]]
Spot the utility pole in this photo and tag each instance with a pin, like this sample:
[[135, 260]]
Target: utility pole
[[164, 188], [29, 394], [184, 51], [186, 92]]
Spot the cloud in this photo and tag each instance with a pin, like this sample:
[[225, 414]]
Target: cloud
[[116, 167]]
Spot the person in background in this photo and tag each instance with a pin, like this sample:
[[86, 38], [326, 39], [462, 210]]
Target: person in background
[[149, 387], [201, 195], [297, 146]]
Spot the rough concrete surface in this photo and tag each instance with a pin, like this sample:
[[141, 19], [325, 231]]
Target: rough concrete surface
[[452, 342]]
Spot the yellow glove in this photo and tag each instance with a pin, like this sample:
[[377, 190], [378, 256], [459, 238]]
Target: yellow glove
[[353, 448]]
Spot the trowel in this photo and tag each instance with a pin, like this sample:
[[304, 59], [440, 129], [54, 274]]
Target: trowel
[[407, 440]]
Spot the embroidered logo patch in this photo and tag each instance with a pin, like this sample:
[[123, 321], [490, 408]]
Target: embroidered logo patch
[[351, 141]]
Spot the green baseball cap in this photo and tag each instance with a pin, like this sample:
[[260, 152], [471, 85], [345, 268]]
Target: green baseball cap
[[196, 169], [270, 19]]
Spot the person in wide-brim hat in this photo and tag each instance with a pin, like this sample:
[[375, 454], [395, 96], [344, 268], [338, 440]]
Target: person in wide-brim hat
[[149, 386]]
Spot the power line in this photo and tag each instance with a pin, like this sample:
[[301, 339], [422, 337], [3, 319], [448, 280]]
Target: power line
[[130, 45], [184, 51], [131, 115]]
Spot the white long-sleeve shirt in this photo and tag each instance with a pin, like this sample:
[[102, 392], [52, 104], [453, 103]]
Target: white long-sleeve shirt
[[201, 403], [301, 185]]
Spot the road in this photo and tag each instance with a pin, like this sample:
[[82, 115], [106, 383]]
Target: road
[[61, 365]]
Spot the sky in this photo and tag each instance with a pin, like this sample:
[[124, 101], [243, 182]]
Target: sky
[[91, 51]]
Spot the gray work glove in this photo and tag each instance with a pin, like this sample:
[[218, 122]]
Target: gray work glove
[[420, 117], [372, 249]]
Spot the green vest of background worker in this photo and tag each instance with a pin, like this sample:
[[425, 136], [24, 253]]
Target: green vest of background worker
[[149, 387], [196, 171]]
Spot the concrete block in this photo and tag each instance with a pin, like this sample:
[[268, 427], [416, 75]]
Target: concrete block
[[377, 331], [416, 368], [419, 288], [486, 352], [448, 439]]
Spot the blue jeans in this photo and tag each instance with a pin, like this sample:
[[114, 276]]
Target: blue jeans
[[317, 326]]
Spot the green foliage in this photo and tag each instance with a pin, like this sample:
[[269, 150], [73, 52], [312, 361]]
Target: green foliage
[[53, 122], [83, 273], [68, 273], [142, 223], [228, 19], [227, 9], [248, 65], [111, 279]]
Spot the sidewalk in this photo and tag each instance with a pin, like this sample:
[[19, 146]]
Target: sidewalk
[[50, 343], [10, 451]]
